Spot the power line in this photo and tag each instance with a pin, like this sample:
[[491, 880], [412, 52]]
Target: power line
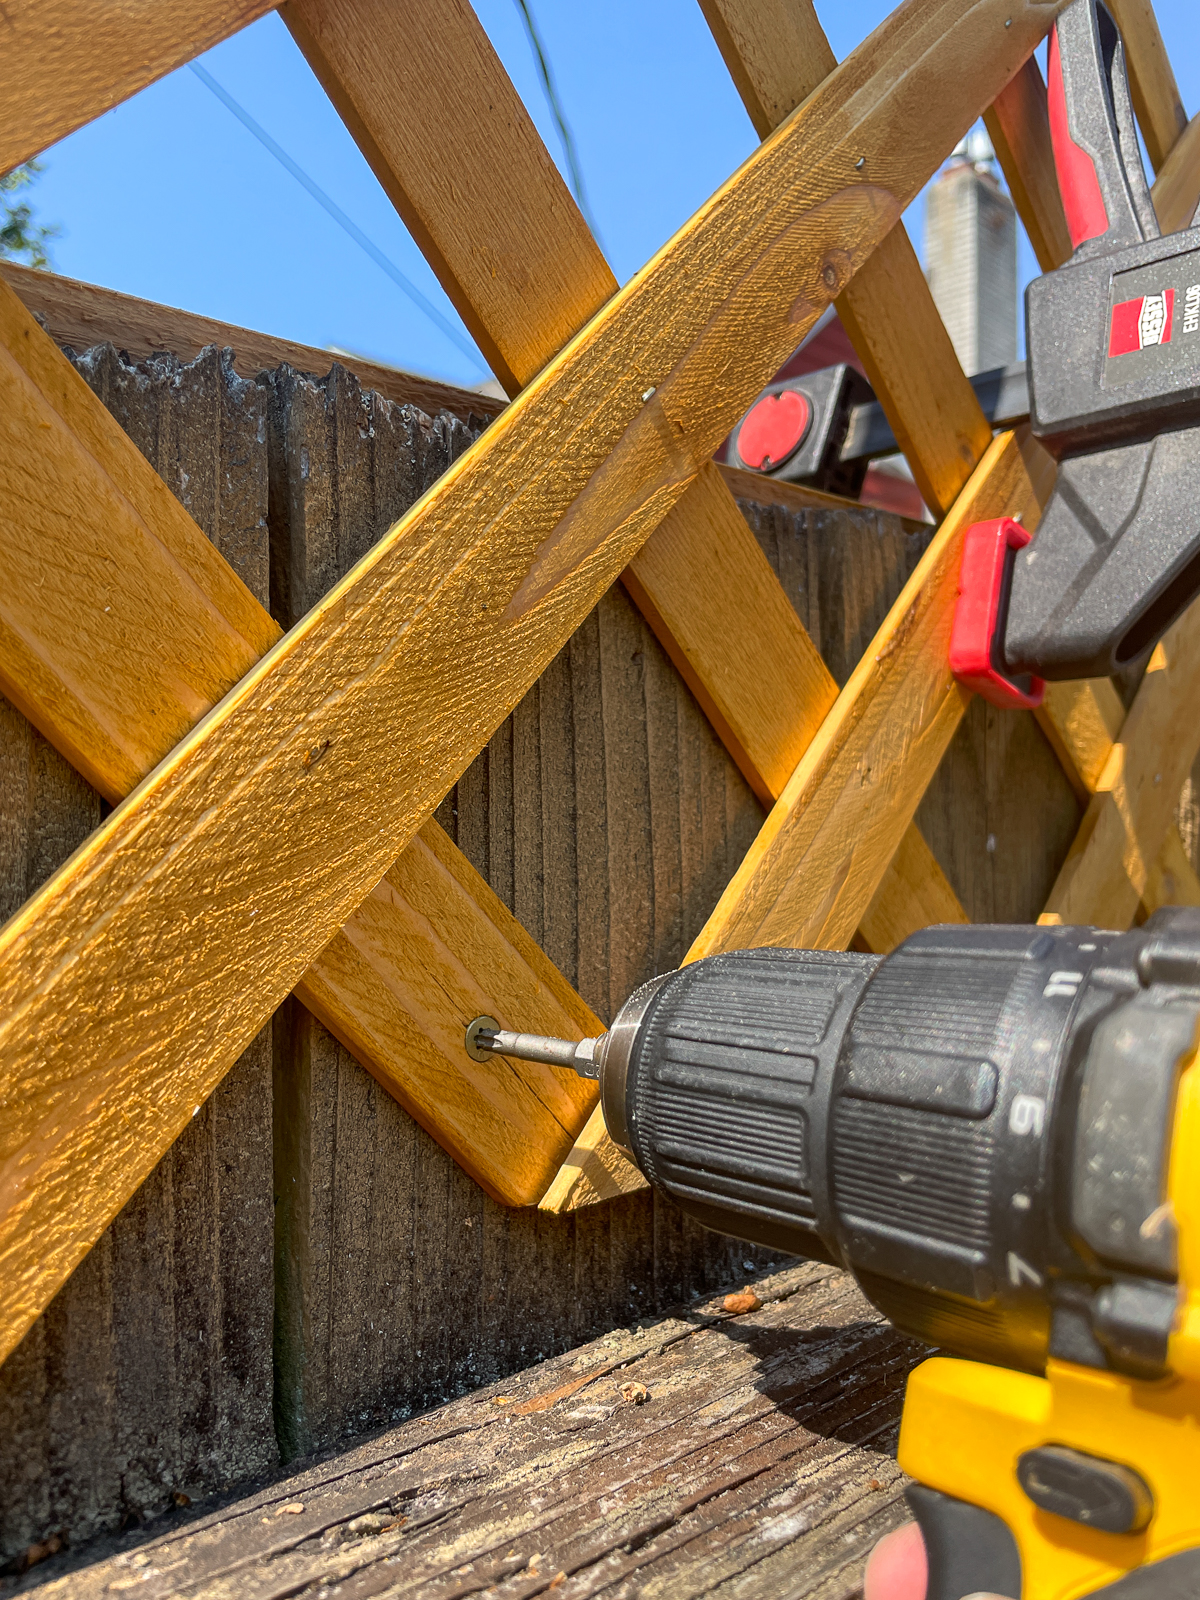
[[339, 216], [564, 132]]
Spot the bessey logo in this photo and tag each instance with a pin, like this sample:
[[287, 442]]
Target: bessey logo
[[1138, 323]]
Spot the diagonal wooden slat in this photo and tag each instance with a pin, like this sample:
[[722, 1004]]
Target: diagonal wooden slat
[[1152, 83], [120, 627], [1130, 814], [139, 971], [447, 135], [777, 54], [1075, 716], [63, 62], [1082, 720], [813, 868], [819, 856], [1018, 123], [1176, 191]]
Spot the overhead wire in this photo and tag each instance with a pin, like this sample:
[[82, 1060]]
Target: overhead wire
[[404, 284], [566, 138]]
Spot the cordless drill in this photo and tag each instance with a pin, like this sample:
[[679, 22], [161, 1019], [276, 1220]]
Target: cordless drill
[[997, 1130]]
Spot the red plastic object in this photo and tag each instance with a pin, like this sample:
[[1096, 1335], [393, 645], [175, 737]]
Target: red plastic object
[[1087, 215], [773, 428], [981, 612]]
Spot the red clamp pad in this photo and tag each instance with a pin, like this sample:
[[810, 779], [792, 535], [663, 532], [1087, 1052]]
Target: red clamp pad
[[976, 642]]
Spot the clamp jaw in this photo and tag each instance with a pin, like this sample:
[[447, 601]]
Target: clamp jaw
[[1114, 370]]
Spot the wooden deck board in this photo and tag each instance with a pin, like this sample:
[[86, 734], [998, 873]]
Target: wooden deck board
[[764, 1458]]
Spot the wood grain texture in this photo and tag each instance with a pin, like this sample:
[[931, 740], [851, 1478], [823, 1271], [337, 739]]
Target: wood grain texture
[[607, 816], [71, 482], [1018, 123], [63, 62], [362, 982], [429, 949], [1133, 807], [222, 476], [301, 789], [1000, 814], [504, 236], [762, 1466], [902, 342], [1171, 880], [594, 1170], [516, 257], [816, 865], [1155, 93], [398, 1281], [709, 593], [1083, 721], [914, 893], [1176, 191], [842, 566], [83, 315], [150, 1371], [777, 54]]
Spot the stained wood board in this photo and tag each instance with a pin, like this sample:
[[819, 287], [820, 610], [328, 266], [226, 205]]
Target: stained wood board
[[84, 314], [842, 567], [817, 862], [329, 755], [72, 485], [83, 694], [65, 61], [1176, 191], [763, 1456], [444, 130], [1131, 811], [115, 695], [1083, 721], [777, 55], [1151, 78], [1018, 123], [150, 1370]]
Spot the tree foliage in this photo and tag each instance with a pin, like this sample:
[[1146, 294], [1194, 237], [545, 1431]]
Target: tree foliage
[[20, 237]]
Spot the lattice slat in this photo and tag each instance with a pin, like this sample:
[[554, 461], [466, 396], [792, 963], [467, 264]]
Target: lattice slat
[[133, 978]]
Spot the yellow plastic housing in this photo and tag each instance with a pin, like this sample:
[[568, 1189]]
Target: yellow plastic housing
[[966, 1424]]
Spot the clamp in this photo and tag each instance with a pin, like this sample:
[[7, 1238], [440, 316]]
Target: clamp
[[1113, 341]]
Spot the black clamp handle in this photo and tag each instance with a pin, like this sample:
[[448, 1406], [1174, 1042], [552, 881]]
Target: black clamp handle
[[1100, 173]]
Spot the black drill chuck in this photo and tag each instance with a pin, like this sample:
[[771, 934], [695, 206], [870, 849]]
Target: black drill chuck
[[977, 1125]]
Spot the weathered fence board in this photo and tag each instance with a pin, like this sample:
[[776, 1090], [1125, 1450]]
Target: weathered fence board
[[150, 1372], [608, 817], [604, 812]]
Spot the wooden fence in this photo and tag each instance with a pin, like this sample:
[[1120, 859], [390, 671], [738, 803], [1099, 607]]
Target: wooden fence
[[274, 791]]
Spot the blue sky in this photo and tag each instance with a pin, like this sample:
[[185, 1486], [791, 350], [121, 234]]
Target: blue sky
[[170, 198]]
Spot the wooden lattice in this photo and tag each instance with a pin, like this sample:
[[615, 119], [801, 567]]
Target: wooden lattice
[[275, 833]]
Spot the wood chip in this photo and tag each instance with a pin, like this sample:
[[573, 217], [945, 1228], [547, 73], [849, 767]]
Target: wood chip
[[635, 1393], [738, 1304], [34, 1553]]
